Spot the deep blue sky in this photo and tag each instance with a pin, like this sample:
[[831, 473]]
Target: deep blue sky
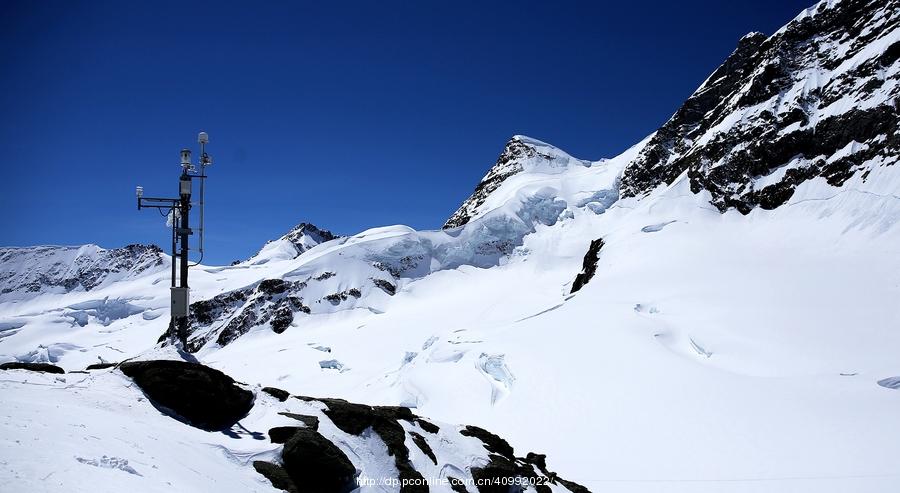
[[348, 115]]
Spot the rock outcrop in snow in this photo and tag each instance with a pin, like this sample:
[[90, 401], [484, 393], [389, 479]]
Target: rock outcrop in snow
[[333, 445], [418, 447], [230, 315], [589, 266], [199, 395]]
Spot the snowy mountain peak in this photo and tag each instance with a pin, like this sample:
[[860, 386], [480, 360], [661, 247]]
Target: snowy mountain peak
[[306, 235], [783, 110], [521, 154], [299, 239]]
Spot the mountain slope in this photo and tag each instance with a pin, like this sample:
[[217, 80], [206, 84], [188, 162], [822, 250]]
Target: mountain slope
[[816, 99]]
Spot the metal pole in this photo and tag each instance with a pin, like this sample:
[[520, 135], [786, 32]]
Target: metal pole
[[174, 250], [184, 233]]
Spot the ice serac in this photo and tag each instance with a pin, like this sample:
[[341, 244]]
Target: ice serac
[[29, 271], [521, 154], [816, 99]]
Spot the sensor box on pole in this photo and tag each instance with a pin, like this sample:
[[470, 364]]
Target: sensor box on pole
[[180, 301]]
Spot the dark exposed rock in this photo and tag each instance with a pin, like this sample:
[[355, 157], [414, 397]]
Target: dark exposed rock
[[498, 476], [385, 286], [539, 461], [201, 396], [37, 367], [420, 442], [589, 266], [427, 426], [282, 319], [356, 418], [308, 421], [272, 301], [313, 461], [100, 366], [349, 417], [491, 442], [503, 468], [281, 395], [397, 267], [281, 434], [337, 298], [276, 475], [273, 286], [394, 436]]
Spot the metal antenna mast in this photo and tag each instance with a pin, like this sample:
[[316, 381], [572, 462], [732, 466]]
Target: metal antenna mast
[[179, 211]]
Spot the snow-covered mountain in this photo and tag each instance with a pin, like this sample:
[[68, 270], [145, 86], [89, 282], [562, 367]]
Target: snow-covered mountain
[[711, 310], [521, 155], [299, 239], [31, 271], [818, 99]]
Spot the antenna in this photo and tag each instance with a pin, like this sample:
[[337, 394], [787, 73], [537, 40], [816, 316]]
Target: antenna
[[203, 139]]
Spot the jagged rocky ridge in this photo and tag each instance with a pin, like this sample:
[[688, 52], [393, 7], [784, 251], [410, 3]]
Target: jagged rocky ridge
[[816, 99], [28, 271]]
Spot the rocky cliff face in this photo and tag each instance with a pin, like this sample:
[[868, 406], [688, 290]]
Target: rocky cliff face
[[818, 99], [27, 272]]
